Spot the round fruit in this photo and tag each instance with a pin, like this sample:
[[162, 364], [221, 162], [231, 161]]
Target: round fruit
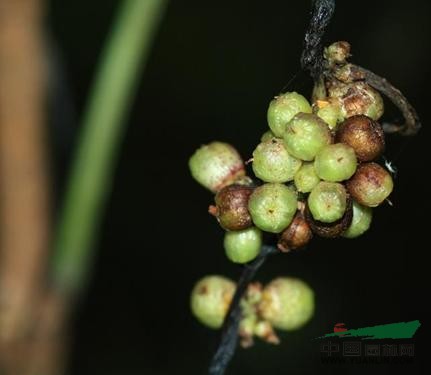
[[244, 245], [305, 135], [267, 136], [287, 303], [361, 221], [306, 178], [329, 111], [272, 162], [296, 235], [216, 165], [335, 162], [370, 185], [364, 135], [282, 109], [327, 202], [272, 207], [210, 300]]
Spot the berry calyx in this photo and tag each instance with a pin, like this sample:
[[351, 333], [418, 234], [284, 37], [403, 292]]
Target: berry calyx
[[210, 299], [306, 178], [305, 135], [216, 165], [364, 135], [370, 185], [287, 303], [336, 162], [244, 245], [272, 162], [361, 221], [272, 207], [327, 201], [282, 109], [232, 207]]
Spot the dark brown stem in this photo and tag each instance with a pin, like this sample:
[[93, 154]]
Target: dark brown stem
[[412, 123]]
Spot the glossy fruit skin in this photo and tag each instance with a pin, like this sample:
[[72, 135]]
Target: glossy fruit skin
[[306, 178], [272, 207], [362, 217], [327, 202], [216, 165], [232, 207], [287, 303], [210, 299], [364, 135], [370, 185], [297, 235], [336, 162], [282, 109], [334, 229], [244, 245], [305, 135], [272, 162]]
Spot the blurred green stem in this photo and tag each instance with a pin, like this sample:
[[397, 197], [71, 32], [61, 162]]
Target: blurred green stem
[[103, 125]]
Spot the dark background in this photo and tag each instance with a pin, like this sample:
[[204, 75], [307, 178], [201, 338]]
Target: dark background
[[212, 72]]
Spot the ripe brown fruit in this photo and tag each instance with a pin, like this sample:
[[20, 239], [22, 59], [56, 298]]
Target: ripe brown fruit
[[296, 235], [364, 135]]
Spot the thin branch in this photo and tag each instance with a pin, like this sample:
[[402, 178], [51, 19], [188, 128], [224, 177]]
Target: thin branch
[[312, 54], [412, 123], [229, 337]]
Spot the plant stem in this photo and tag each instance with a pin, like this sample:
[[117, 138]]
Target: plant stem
[[103, 126]]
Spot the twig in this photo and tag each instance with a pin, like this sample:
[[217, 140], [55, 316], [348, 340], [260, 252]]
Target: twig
[[412, 123], [312, 54], [229, 336]]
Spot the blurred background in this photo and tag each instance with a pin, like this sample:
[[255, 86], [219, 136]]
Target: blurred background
[[211, 72]]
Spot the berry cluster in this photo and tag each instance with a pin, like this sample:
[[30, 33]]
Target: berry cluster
[[316, 169]]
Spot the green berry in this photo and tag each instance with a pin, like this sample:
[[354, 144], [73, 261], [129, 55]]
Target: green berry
[[327, 201], [272, 207], [210, 300], [335, 162], [272, 162], [244, 245], [282, 109], [330, 112], [370, 185], [287, 303], [305, 135], [306, 178], [216, 165], [267, 136], [361, 221]]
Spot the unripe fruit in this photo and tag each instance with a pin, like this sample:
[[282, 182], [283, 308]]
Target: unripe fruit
[[361, 221], [210, 300], [357, 98], [216, 165], [272, 207], [370, 185], [306, 178], [364, 135], [287, 303], [337, 53], [267, 136], [296, 235], [244, 245], [305, 135], [330, 112], [334, 229], [327, 202], [335, 162], [232, 207], [282, 109], [272, 162]]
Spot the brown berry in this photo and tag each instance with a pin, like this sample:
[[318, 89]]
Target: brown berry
[[296, 235], [364, 135], [370, 185], [232, 207], [334, 229]]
